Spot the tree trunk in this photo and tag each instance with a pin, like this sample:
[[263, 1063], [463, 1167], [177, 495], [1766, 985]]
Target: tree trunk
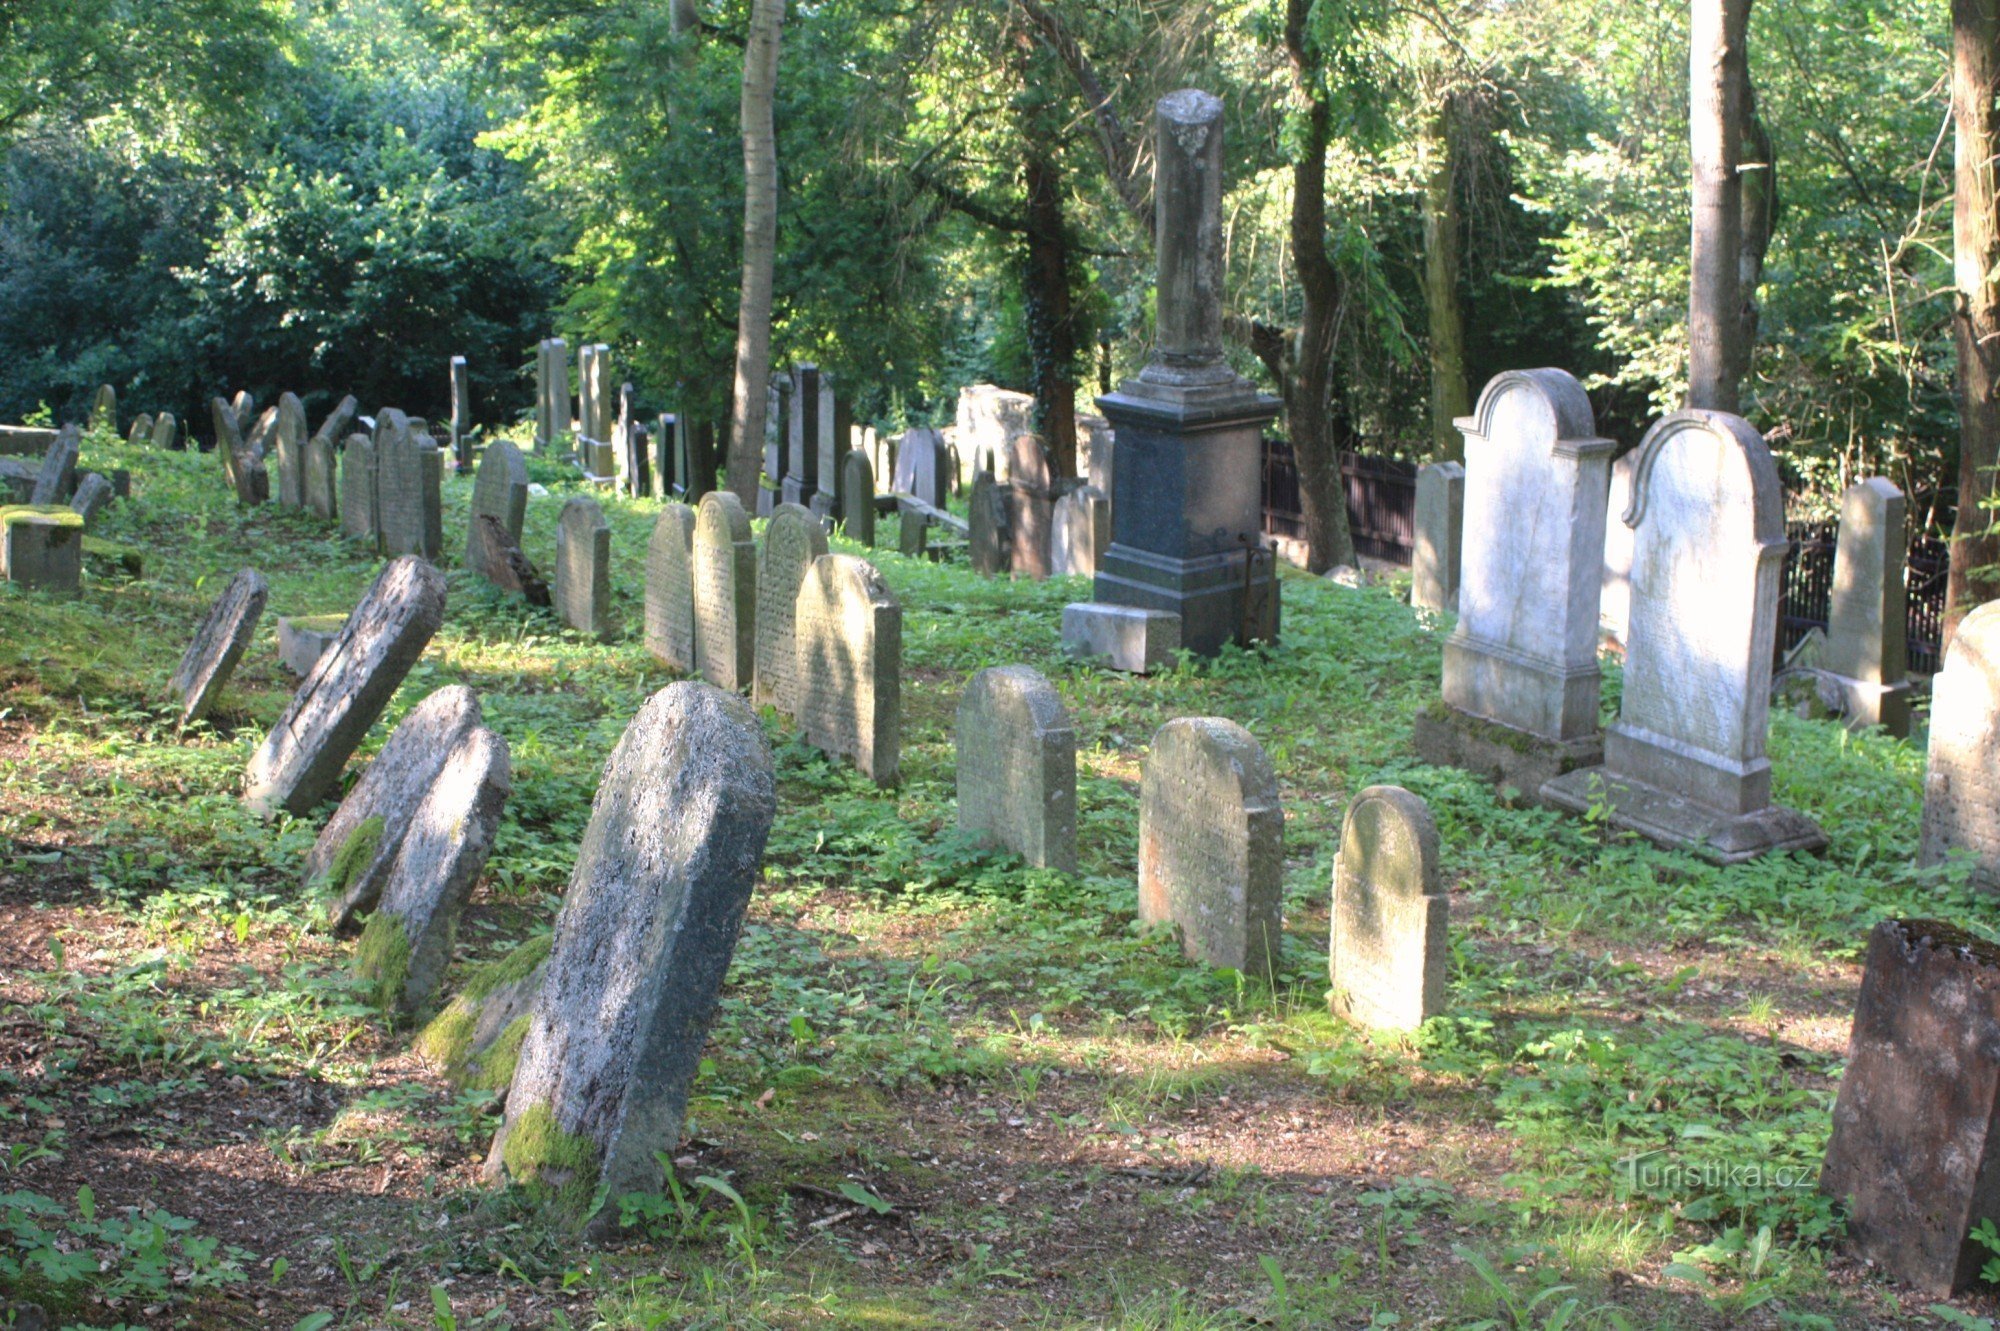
[[1450, 396], [684, 16], [1759, 175], [1718, 81], [1308, 388], [1050, 316], [1975, 224], [760, 249]]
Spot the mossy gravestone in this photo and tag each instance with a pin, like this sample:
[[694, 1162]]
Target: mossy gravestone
[[1212, 844], [642, 943], [725, 592], [476, 1040], [299, 763], [500, 492], [850, 665], [1017, 766], [1390, 915], [583, 568], [407, 943], [42, 549], [219, 644], [670, 589], [793, 539]]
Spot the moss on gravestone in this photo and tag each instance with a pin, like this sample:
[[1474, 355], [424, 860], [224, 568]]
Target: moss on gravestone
[[449, 1039], [355, 854], [562, 1164], [62, 514], [382, 957]]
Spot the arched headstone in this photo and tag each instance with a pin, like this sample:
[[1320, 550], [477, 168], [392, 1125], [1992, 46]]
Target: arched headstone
[[1017, 766], [850, 662], [725, 592], [793, 539], [357, 489], [291, 438], [1388, 952], [670, 633], [499, 491]]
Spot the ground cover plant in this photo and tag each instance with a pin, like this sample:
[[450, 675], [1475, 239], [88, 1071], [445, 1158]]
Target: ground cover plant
[[943, 1089]]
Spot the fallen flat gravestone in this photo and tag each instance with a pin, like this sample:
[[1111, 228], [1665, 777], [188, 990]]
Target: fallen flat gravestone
[[670, 589], [1017, 766], [299, 763], [408, 939], [725, 592], [497, 557], [1390, 916], [644, 938], [219, 644], [793, 539], [1212, 844], [850, 665], [1914, 1142], [57, 477], [351, 858], [583, 568]]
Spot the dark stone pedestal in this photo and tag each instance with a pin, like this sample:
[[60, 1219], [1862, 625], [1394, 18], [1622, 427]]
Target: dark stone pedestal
[[1503, 755], [1187, 518]]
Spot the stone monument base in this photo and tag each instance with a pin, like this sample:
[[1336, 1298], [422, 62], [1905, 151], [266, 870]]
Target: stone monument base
[[1503, 755], [1681, 824], [302, 640], [1123, 637]]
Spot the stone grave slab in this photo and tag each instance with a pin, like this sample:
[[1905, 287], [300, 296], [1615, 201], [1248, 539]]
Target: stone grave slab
[[41, 549], [725, 592], [1081, 533], [583, 568], [670, 636], [1867, 651], [1121, 637], [857, 498], [291, 449], [1016, 764], [793, 540], [357, 490], [499, 491], [1390, 948], [1440, 523], [56, 480], [219, 643], [850, 663], [987, 537], [303, 639]]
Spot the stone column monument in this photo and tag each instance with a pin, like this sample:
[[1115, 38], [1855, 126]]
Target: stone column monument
[[1186, 511]]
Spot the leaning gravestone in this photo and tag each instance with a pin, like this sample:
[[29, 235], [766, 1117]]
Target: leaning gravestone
[[857, 498], [219, 644], [642, 944], [407, 943], [1521, 680], [476, 1039], [850, 665], [1212, 844], [291, 439], [321, 484], [670, 636], [1867, 633], [1684, 763], [93, 492], [583, 568], [1082, 533], [987, 537], [42, 549], [337, 421], [1914, 1142], [141, 432], [1962, 778], [1017, 766], [57, 478], [349, 862], [496, 556], [499, 491], [1440, 522], [299, 763], [262, 434], [725, 592], [358, 469], [166, 430], [244, 407], [1389, 947], [793, 539], [409, 504]]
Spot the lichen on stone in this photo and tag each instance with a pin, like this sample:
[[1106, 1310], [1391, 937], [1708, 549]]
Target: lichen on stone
[[382, 957], [355, 854], [561, 1165], [448, 1039]]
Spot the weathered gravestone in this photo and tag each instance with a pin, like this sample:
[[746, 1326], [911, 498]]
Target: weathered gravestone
[[1962, 777], [850, 665], [1867, 634], [26, 441], [923, 467], [338, 420], [552, 419], [166, 430], [802, 481], [989, 418], [104, 409], [141, 432], [499, 491], [1123, 637], [244, 407], [93, 492], [857, 498], [1095, 444], [1028, 462], [793, 540], [670, 636], [407, 943], [299, 763], [358, 469], [642, 944], [1614, 611], [291, 448], [725, 592], [322, 478], [476, 1040], [1916, 1126], [1521, 680], [1017, 766], [583, 568], [303, 639], [496, 556], [409, 480], [57, 478], [349, 862], [219, 644], [1440, 523], [1684, 763], [987, 540], [261, 438], [41, 549], [1082, 533], [913, 527], [1029, 527], [1390, 946]]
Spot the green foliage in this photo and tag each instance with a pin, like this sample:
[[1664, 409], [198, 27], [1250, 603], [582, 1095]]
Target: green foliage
[[131, 1254]]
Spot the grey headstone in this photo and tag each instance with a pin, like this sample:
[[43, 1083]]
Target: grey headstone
[[1867, 634], [499, 490], [496, 556], [725, 592], [1082, 533], [988, 518], [989, 418], [1212, 844], [850, 664], [1389, 950], [261, 439], [583, 568], [322, 478], [244, 407], [1094, 440], [219, 644], [93, 492], [914, 526], [923, 467], [642, 944], [557, 400], [1614, 611], [1029, 528], [1017, 766], [857, 498], [1122, 637], [409, 501], [670, 634], [141, 433], [1440, 523], [291, 444], [303, 639], [793, 539], [166, 430], [104, 409], [358, 470], [17, 481], [57, 478], [1962, 777], [1028, 462], [461, 404], [299, 763], [42, 551]]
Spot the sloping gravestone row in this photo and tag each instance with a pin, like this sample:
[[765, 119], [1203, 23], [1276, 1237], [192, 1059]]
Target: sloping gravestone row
[[219, 644], [725, 592], [1389, 947], [793, 539], [1212, 844], [642, 944], [1962, 776], [299, 763], [670, 589], [583, 568], [850, 664], [1017, 766]]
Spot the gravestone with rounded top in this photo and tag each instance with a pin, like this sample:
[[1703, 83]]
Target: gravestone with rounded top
[[725, 592], [219, 643], [1684, 764], [357, 489], [1082, 533], [291, 449], [1440, 523], [141, 432], [641, 947], [166, 430], [1016, 766], [850, 663], [1389, 946], [500, 490], [409, 499], [299, 763], [104, 409], [923, 467], [670, 636], [1962, 777], [1212, 844], [583, 568], [857, 498], [1867, 633], [793, 539], [1029, 525]]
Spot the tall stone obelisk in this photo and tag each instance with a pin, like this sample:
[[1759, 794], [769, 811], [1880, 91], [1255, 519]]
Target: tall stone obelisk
[[1186, 567]]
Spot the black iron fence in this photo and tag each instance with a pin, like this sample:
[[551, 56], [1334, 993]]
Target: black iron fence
[[1805, 591]]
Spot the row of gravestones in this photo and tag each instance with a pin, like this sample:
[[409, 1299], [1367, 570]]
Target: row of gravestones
[[612, 447], [46, 513]]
